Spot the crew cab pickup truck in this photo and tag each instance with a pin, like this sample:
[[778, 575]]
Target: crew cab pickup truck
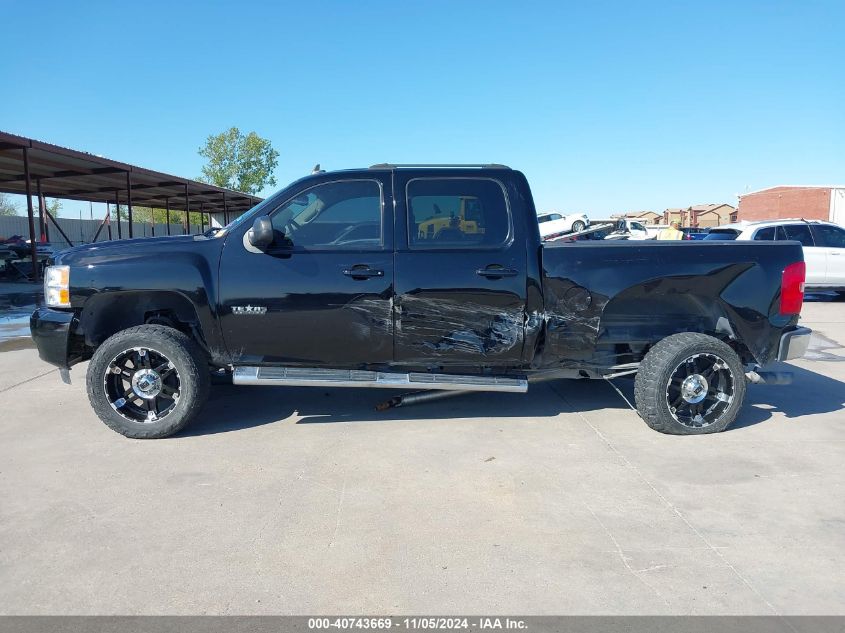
[[358, 279]]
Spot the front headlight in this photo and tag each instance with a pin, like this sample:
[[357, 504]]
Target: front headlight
[[57, 286]]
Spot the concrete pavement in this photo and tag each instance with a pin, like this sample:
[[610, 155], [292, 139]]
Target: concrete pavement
[[308, 501]]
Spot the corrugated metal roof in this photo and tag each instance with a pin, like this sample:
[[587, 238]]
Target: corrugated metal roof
[[74, 175]]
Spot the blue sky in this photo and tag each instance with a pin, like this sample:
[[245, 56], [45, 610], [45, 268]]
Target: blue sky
[[605, 106]]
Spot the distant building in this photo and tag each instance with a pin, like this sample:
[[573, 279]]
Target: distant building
[[701, 215], [794, 201]]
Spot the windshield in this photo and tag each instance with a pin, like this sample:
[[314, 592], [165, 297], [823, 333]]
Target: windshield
[[723, 234]]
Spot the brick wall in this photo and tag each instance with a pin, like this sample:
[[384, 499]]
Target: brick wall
[[811, 203]]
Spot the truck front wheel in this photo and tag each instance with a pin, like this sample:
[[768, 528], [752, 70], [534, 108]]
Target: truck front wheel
[[690, 384], [147, 381]]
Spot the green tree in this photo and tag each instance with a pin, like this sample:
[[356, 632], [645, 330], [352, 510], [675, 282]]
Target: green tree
[[7, 205], [53, 206], [148, 215], [240, 162]]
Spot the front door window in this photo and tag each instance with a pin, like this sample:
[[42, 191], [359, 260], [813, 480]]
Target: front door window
[[332, 216]]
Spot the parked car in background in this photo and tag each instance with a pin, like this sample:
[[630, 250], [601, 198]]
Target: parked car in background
[[823, 242], [16, 254], [694, 233], [628, 229], [554, 224], [20, 246]]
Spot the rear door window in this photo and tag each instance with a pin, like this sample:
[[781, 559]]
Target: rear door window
[[723, 234], [799, 233], [457, 213], [830, 236]]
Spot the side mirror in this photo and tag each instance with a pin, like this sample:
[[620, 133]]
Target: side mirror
[[261, 234]]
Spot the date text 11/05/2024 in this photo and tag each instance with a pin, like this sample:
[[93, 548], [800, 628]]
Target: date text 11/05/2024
[[425, 623]]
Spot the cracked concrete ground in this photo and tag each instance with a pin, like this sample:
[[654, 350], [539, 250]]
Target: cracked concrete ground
[[308, 501]]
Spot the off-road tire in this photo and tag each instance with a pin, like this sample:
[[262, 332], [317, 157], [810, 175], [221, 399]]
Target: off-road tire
[[658, 366], [578, 225], [185, 355]]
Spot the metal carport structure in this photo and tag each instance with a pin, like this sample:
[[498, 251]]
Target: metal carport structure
[[29, 167]]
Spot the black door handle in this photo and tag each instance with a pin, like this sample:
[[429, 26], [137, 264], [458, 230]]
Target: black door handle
[[492, 272], [362, 271]]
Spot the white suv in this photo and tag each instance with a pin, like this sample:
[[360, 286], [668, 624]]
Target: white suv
[[554, 224], [823, 242]]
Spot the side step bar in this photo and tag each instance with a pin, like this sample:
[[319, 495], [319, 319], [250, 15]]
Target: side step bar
[[305, 377]]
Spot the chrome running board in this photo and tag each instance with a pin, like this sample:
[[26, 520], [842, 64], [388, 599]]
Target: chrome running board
[[306, 377]]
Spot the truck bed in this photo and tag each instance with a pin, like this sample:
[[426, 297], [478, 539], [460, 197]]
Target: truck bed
[[615, 297]]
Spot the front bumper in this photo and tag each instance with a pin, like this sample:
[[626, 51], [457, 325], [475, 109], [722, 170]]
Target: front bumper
[[51, 330], [794, 344]]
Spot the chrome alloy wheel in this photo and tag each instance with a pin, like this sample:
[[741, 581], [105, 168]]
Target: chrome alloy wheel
[[142, 385], [700, 390]]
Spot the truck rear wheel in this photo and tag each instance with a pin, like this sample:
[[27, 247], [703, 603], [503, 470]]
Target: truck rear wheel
[[690, 384], [147, 381]]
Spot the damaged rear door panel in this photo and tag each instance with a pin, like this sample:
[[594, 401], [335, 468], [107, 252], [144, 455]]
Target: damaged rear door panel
[[460, 269]]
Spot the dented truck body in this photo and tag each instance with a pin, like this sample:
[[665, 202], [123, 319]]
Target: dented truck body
[[382, 295], [608, 303]]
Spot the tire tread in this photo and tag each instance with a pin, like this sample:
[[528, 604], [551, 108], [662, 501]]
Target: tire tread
[[195, 376], [649, 387]]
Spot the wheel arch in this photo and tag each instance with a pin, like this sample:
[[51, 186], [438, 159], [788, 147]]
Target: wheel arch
[[105, 314], [631, 319]]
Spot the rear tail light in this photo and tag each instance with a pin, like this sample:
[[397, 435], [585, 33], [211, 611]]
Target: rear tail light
[[792, 288]]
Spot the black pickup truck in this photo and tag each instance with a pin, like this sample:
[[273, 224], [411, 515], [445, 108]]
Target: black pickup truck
[[416, 277]]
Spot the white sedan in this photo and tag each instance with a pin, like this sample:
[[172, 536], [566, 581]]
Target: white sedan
[[823, 242], [554, 224]]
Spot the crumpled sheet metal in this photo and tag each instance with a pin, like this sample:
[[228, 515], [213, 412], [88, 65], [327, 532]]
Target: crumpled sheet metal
[[456, 326]]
